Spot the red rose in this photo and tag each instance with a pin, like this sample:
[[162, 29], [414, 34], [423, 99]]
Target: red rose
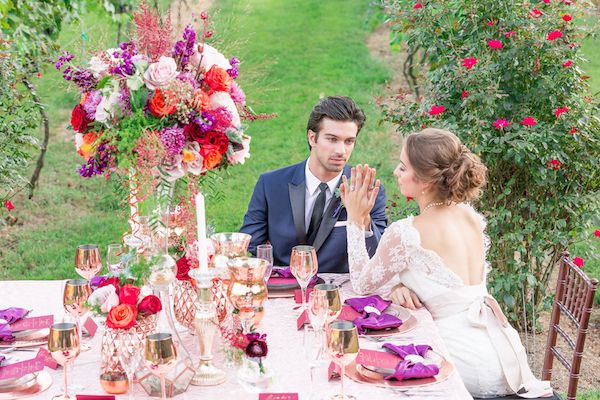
[[201, 101], [218, 79], [211, 155], [501, 123], [435, 110], [560, 110], [149, 305], [567, 18], [578, 261], [535, 13], [554, 35], [193, 132], [183, 269], [218, 139], [469, 62], [121, 317], [129, 294], [163, 103], [495, 44], [573, 130], [509, 33], [9, 205], [465, 94], [257, 345], [567, 63], [597, 233], [554, 164], [113, 280], [418, 6], [528, 121], [79, 119]]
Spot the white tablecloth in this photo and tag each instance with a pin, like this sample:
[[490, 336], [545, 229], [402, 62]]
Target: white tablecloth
[[286, 356]]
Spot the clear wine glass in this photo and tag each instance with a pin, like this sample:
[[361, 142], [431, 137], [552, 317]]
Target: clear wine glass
[[114, 261], [265, 252], [130, 357], [303, 265]]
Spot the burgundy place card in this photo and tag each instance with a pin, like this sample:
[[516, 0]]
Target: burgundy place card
[[95, 396], [90, 326], [349, 314], [48, 360], [302, 320], [298, 295], [278, 396], [21, 368], [334, 371], [381, 359], [40, 322]]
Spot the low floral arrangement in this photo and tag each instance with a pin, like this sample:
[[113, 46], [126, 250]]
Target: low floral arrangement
[[122, 303], [251, 345]]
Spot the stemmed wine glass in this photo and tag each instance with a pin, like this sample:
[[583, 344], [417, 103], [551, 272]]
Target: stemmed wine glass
[[160, 357], [265, 252], [87, 261], [303, 265], [130, 358], [75, 296], [342, 346], [317, 313], [64, 347], [114, 262], [333, 306]]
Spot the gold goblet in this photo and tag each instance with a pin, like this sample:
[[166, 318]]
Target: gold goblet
[[342, 345], [247, 289], [64, 347], [75, 296], [332, 296], [87, 261], [160, 357]]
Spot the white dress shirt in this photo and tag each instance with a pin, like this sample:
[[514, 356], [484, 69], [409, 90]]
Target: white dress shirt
[[312, 191]]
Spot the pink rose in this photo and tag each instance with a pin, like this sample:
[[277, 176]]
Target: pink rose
[[240, 155], [160, 73], [104, 297]]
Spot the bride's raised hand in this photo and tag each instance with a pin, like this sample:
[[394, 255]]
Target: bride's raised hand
[[360, 193]]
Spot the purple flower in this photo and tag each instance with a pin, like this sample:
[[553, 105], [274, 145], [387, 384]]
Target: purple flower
[[183, 49], [125, 101], [173, 139], [64, 58], [206, 121], [233, 72], [81, 77], [237, 94], [92, 103], [96, 165]]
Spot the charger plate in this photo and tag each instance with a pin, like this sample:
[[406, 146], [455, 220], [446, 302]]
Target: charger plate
[[42, 381]]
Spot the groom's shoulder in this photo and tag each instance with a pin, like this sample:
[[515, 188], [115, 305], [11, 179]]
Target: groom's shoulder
[[283, 173]]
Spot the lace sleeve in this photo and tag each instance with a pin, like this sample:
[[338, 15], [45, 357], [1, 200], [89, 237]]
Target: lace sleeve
[[368, 275]]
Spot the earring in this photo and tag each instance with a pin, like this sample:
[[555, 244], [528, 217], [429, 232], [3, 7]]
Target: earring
[[422, 192]]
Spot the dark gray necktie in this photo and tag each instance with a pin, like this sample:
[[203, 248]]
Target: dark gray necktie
[[317, 213]]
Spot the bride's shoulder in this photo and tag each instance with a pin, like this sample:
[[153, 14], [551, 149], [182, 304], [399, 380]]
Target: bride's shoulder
[[404, 230], [474, 214]]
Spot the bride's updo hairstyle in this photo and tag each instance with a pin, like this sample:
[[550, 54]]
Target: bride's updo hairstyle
[[438, 157]]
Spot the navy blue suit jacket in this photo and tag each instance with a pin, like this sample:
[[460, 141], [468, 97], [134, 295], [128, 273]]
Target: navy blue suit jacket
[[276, 214]]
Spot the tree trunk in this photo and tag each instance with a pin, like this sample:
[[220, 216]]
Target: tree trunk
[[40, 161]]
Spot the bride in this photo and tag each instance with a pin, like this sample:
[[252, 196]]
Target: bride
[[441, 256]]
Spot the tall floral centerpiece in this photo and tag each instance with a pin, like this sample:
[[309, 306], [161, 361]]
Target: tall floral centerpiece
[[155, 110]]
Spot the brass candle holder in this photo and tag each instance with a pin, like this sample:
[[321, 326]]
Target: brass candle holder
[[206, 325]]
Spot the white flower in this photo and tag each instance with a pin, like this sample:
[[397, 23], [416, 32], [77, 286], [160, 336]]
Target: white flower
[[105, 297], [223, 99], [97, 66], [78, 140], [240, 156], [209, 56], [107, 107], [160, 73]]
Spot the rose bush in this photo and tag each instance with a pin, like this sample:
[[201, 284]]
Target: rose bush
[[510, 82]]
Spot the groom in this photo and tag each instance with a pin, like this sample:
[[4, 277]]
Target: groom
[[299, 204]]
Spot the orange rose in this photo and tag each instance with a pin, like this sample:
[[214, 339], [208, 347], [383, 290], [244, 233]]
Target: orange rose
[[88, 147], [211, 156], [218, 79], [121, 317], [201, 101], [163, 103]]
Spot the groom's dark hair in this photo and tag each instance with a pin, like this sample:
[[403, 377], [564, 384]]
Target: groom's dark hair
[[337, 108]]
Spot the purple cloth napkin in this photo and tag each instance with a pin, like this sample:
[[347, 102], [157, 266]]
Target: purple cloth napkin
[[406, 369], [409, 370], [10, 315], [376, 322], [13, 314], [281, 272], [375, 301]]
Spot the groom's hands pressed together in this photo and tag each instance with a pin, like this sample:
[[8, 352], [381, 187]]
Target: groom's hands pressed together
[[359, 194]]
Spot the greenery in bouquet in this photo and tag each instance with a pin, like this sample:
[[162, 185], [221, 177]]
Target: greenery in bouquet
[[122, 302], [506, 78]]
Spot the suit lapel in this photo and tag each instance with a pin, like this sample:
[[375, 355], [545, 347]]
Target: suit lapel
[[329, 220], [297, 189]]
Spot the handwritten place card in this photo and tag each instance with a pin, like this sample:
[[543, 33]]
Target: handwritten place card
[[40, 322], [302, 320], [349, 314], [298, 295], [95, 396], [48, 360], [90, 326], [334, 371], [277, 396], [21, 368], [381, 359]]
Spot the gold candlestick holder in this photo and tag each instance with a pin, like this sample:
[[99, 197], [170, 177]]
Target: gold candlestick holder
[[206, 325]]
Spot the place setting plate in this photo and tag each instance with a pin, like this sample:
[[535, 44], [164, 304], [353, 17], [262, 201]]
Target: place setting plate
[[409, 322], [27, 338], [25, 386]]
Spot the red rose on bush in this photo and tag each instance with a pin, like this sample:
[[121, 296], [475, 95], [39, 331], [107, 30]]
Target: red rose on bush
[[211, 155], [218, 79], [183, 269], [217, 139], [79, 119], [129, 294], [121, 317], [162, 103], [9, 205], [149, 305]]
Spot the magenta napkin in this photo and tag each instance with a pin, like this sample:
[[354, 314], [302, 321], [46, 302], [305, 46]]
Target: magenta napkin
[[404, 350], [406, 369], [376, 322], [10, 315], [375, 301], [281, 272]]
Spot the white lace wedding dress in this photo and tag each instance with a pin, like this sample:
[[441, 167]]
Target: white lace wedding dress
[[486, 350]]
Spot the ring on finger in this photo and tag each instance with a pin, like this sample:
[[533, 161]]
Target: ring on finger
[[352, 188]]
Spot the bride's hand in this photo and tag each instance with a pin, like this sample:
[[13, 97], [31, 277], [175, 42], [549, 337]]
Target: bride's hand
[[360, 193], [405, 297]]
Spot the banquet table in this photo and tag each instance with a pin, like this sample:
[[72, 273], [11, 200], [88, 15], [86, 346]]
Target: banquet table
[[286, 355]]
